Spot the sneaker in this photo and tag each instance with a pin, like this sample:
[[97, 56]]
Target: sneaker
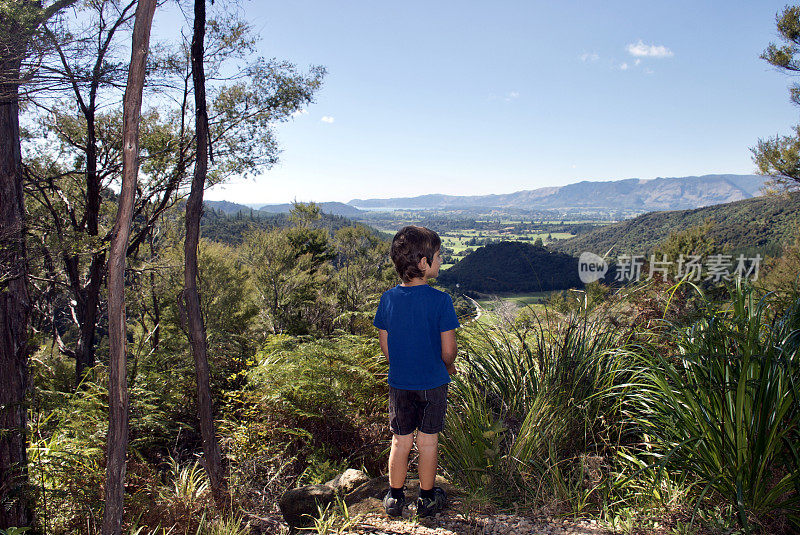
[[431, 506], [393, 506]]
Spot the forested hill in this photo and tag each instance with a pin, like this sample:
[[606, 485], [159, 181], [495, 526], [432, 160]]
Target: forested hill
[[218, 226], [513, 267], [335, 208], [227, 207], [232, 208], [762, 223]]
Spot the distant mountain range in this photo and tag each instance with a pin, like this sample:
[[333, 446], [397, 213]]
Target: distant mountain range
[[630, 195], [617, 198]]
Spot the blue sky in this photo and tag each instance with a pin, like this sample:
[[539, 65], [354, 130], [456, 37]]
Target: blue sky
[[471, 97]]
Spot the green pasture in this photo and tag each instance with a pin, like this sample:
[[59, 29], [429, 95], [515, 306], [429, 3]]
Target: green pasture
[[489, 302]]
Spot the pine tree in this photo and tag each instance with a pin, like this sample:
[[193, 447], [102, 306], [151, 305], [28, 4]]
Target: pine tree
[[779, 157]]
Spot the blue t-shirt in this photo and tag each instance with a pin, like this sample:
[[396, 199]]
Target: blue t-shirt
[[415, 317]]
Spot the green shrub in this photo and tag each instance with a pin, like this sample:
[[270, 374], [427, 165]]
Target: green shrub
[[311, 401], [66, 458]]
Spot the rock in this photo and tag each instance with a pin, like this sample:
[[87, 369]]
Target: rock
[[374, 488], [348, 481], [300, 505], [368, 497]]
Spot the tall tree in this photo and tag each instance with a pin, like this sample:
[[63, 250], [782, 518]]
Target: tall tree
[[85, 69], [779, 157], [86, 72], [190, 297], [290, 267], [19, 23], [245, 97], [264, 103], [117, 444], [361, 264]]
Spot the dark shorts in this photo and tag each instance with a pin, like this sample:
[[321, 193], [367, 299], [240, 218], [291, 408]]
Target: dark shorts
[[417, 409]]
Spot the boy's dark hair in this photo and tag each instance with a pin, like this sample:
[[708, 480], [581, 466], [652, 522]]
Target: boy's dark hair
[[410, 245]]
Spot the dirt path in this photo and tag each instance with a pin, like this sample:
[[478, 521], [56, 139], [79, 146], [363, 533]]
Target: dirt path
[[456, 523], [460, 517], [450, 522], [478, 309]]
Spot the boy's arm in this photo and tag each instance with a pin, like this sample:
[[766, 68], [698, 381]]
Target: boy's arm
[[449, 349], [383, 338]]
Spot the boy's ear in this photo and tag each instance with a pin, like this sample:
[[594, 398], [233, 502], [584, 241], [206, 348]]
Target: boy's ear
[[423, 264]]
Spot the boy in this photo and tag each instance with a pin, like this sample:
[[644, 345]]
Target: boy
[[416, 326]]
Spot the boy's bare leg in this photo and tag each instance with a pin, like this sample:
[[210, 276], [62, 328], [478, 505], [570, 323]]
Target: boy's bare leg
[[428, 447], [398, 459]]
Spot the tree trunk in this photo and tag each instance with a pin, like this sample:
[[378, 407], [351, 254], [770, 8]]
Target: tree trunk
[[15, 507], [88, 305], [194, 207], [117, 386], [89, 298]]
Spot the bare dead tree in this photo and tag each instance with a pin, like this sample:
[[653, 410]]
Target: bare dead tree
[[117, 444]]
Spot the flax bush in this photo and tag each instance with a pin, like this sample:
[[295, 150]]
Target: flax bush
[[526, 418], [725, 409]]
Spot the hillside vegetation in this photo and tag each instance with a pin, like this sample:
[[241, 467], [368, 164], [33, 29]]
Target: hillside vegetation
[[762, 223], [555, 410], [231, 228]]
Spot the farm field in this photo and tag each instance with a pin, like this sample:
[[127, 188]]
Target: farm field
[[462, 236], [459, 241], [459, 244]]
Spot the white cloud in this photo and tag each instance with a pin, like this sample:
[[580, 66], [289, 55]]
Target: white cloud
[[623, 66], [327, 119], [637, 62], [642, 50], [586, 56], [511, 96], [298, 113]]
